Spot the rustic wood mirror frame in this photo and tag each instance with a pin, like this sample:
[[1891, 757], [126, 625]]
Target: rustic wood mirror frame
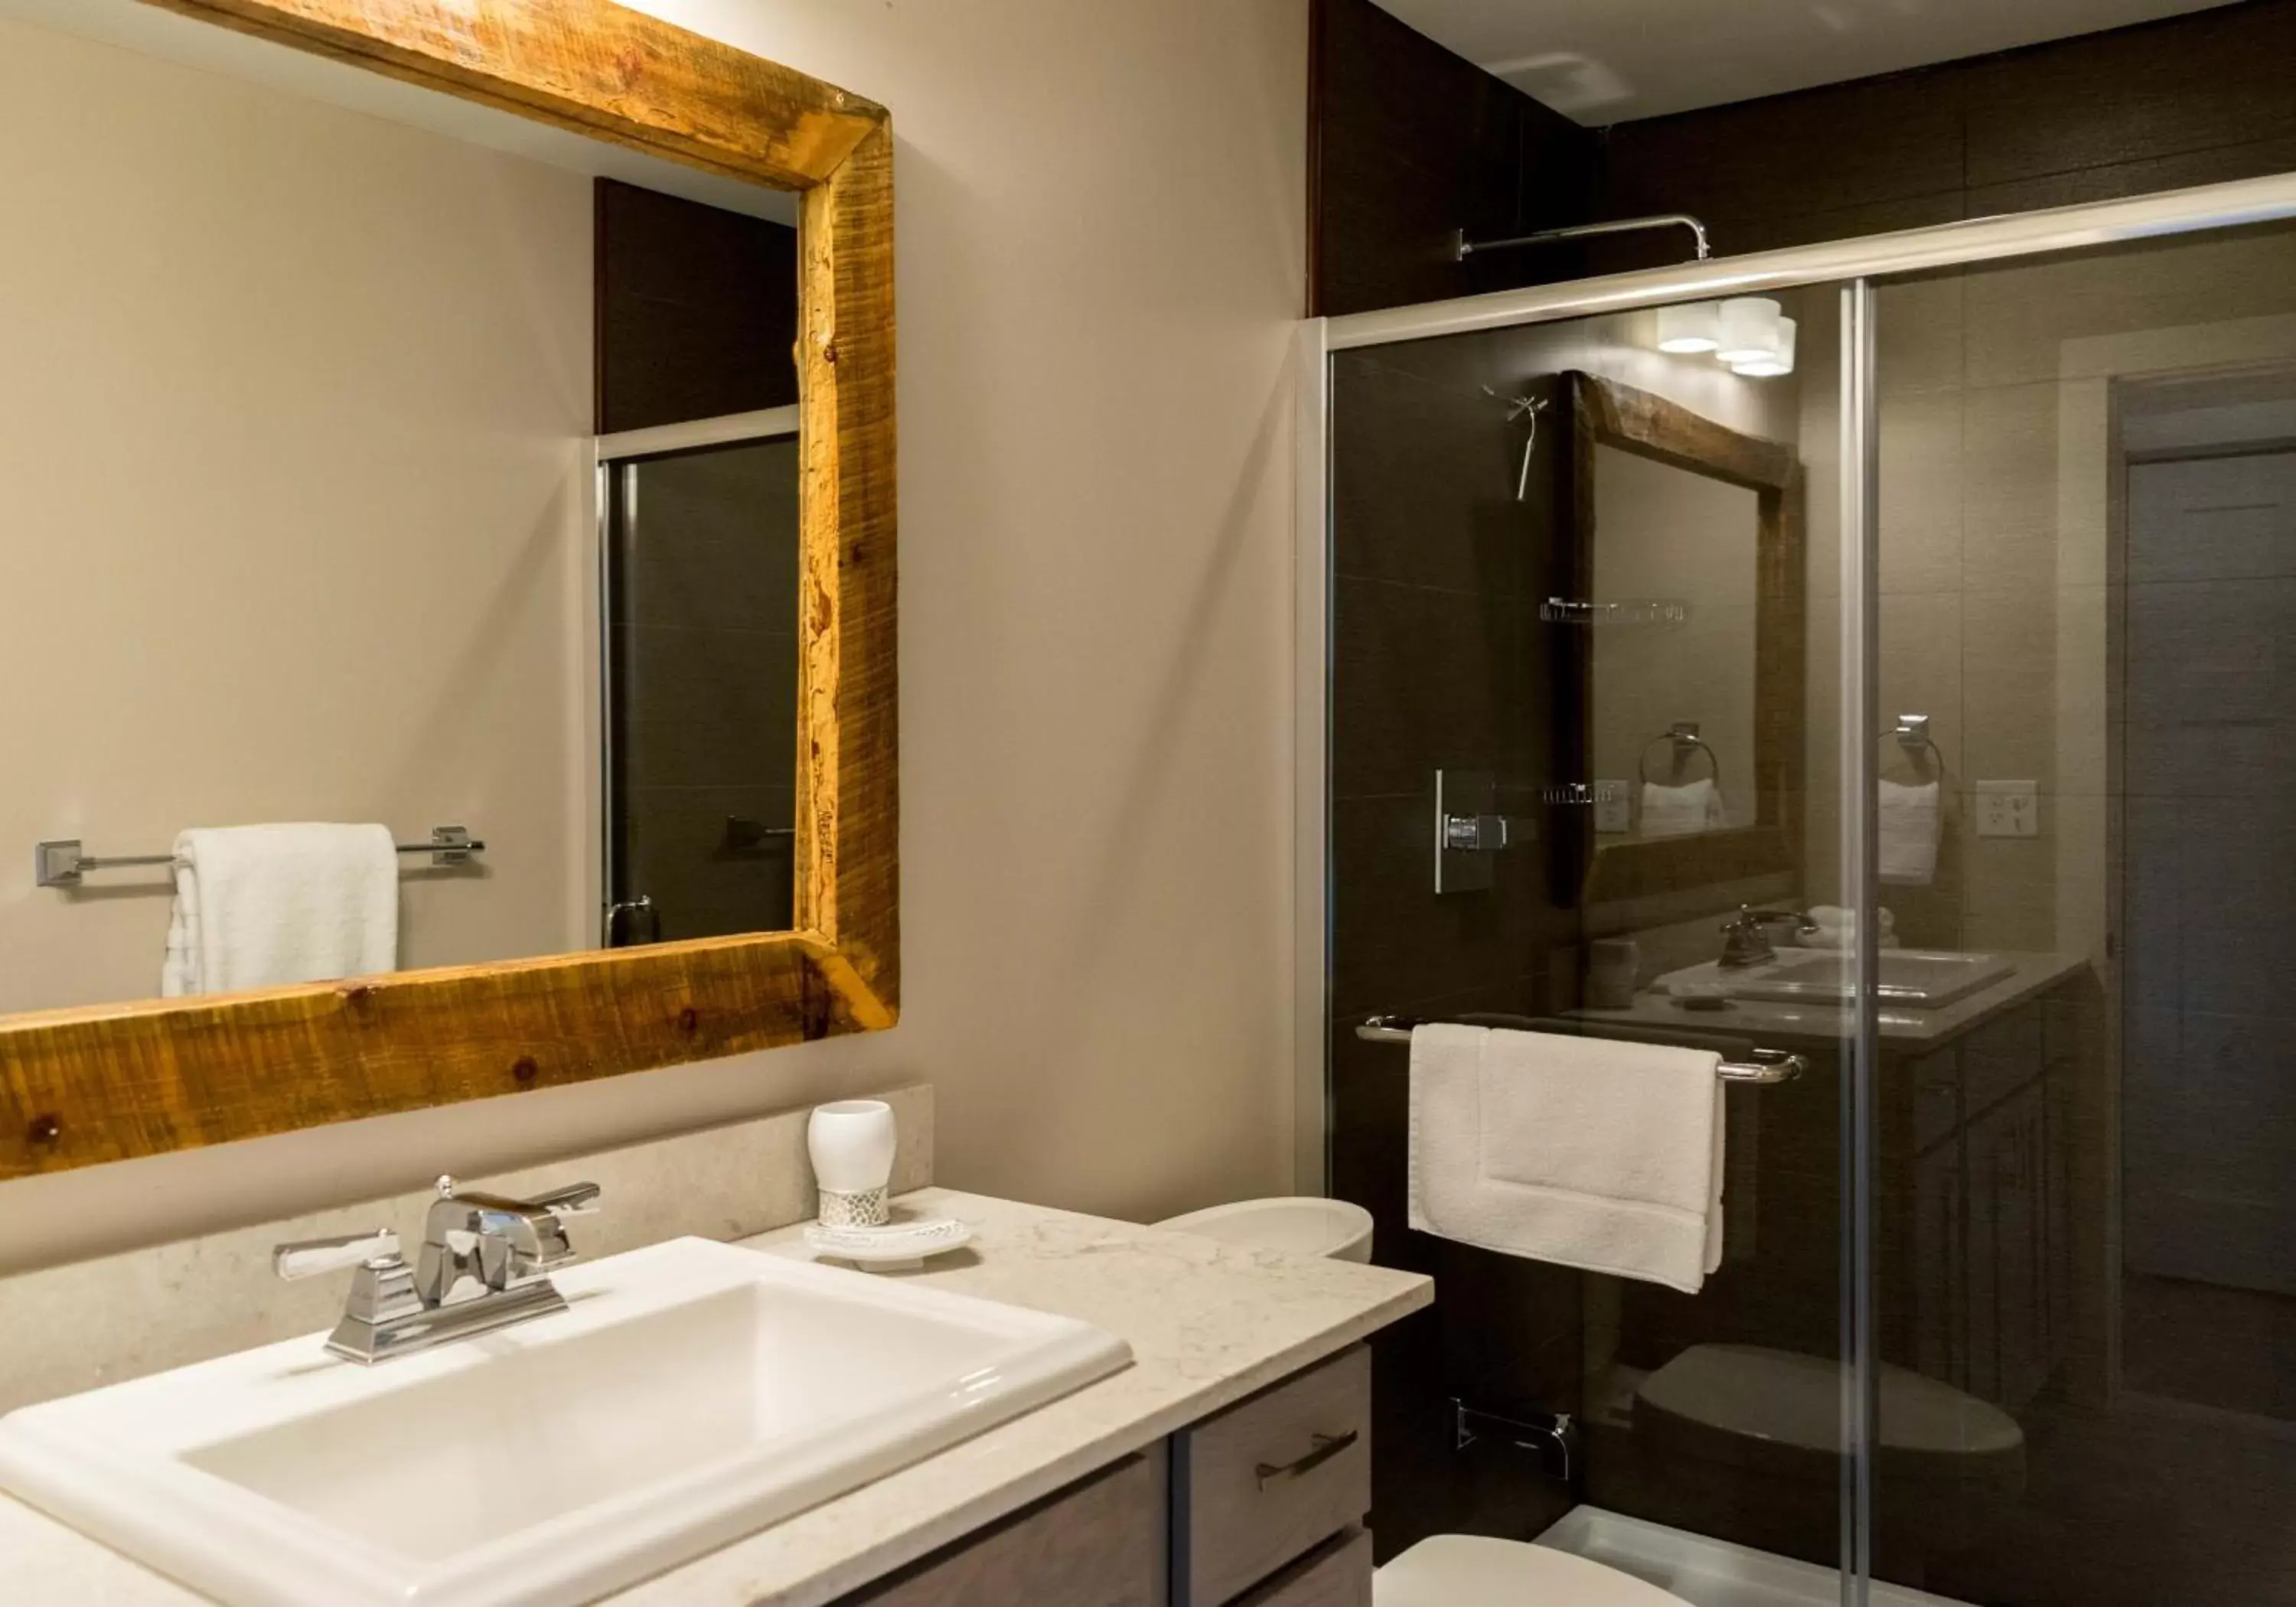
[[1604, 412], [110, 1083]]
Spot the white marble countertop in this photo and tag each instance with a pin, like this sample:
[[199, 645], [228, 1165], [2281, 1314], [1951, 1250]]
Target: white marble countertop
[[1209, 1323], [1774, 1022]]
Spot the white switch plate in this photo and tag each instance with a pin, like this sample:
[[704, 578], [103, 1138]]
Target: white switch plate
[[2008, 808], [1614, 809]]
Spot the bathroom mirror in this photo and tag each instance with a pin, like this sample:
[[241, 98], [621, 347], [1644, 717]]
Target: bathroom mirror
[[1687, 541], [465, 434]]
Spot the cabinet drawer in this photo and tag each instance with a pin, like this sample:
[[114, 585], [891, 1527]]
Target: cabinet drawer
[[1269, 1480], [1337, 1576], [1097, 1543]]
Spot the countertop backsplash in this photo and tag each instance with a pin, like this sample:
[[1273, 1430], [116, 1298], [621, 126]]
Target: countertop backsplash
[[75, 1327]]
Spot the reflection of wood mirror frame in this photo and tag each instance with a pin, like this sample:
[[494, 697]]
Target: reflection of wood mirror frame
[[113, 1082], [1604, 413]]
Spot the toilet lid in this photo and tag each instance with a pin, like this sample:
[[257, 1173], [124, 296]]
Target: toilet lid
[[1782, 1402], [1472, 1570]]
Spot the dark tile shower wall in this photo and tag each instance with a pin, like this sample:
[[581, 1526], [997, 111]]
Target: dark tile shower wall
[[1412, 142], [704, 623], [696, 310], [1441, 662]]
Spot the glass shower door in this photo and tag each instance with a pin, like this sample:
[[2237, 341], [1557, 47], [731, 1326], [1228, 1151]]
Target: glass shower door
[[2084, 1191], [1586, 760], [700, 585]]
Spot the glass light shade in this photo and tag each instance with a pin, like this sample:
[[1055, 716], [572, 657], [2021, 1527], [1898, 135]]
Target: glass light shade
[[1772, 363], [1693, 326], [1749, 329]]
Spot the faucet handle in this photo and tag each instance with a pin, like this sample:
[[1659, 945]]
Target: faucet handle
[[309, 1258], [575, 1200]]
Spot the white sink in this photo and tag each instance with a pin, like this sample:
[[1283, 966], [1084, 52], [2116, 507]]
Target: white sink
[[693, 1393], [1923, 979]]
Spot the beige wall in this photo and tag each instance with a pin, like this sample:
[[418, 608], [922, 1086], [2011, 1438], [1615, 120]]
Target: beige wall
[[1101, 257], [1665, 533], [1998, 492], [290, 415]]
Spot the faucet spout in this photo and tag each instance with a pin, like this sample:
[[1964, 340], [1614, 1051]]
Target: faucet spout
[[1746, 936]]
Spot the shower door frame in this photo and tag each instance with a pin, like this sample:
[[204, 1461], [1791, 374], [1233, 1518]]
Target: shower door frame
[[1853, 264]]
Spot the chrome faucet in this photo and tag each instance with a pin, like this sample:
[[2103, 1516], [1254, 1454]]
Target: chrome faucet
[[485, 1264], [1746, 936]]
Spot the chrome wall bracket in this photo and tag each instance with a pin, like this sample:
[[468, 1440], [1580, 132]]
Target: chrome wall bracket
[[1552, 1436]]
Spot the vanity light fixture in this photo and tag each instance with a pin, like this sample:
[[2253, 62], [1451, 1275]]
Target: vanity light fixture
[[1689, 327], [1779, 360], [1748, 335], [1749, 330]]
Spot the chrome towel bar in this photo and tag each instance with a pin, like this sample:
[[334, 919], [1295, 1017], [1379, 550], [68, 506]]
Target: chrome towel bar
[[61, 864], [1764, 1069]]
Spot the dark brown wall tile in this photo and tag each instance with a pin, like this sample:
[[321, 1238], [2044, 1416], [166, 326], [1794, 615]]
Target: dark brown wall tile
[[696, 310], [2215, 77], [2190, 100]]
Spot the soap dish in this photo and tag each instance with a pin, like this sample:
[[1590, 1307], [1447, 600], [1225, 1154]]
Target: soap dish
[[894, 1247]]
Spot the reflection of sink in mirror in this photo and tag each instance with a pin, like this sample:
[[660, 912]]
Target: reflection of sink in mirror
[[1923, 979], [693, 1393]]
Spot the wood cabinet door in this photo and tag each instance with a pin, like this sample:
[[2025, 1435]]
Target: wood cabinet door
[[1100, 1543]]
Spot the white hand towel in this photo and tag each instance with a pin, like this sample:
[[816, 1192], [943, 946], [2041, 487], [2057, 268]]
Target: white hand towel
[[1678, 811], [262, 906], [1909, 820], [1607, 1156]]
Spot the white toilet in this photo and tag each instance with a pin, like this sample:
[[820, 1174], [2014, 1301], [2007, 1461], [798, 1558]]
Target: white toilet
[[1468, 1570], [1302, 1225], [1442, 1570]]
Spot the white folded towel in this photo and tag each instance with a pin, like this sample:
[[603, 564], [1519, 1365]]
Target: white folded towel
[[1909, 820], [1678, 811], [260, 906], [1589, 1153]]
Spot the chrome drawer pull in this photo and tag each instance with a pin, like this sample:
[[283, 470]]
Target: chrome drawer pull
[[1327, 1446]]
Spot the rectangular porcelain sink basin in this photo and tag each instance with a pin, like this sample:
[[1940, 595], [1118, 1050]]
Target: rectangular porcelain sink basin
[[1919, 978], [693, 1392]]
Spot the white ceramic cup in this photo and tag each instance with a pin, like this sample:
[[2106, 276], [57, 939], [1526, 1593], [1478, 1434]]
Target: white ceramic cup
[[851, 1142], [1613, 966]]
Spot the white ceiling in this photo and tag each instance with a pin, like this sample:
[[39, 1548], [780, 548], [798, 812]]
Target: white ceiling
[[1612, 60]]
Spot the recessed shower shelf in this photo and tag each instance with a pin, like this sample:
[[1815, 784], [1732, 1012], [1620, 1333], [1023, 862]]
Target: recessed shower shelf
[[1651, 610]]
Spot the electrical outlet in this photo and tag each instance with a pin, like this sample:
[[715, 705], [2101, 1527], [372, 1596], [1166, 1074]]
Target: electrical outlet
[[2008, 808], [1614, 809]]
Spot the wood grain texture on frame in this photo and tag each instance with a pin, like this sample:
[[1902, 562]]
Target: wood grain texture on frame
[[79, 1087]]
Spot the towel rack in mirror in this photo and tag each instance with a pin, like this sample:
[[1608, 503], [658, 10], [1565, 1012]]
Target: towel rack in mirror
[[1762, 1067], [1683, 741], [61, 864], [1912, 733]]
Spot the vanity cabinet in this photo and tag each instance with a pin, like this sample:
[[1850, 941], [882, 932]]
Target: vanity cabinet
[[1985, 1305], [1269, 1480], [1258, 1505], [1099, 1542]]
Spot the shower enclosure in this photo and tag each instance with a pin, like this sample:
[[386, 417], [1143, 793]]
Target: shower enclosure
[[1929, 591]]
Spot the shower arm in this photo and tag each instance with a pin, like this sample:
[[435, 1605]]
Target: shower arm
[[1463, 248]]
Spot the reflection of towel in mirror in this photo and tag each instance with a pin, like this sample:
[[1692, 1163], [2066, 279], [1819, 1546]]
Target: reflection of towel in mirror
[[262, 906], [1678, 811], [1909, 819]]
